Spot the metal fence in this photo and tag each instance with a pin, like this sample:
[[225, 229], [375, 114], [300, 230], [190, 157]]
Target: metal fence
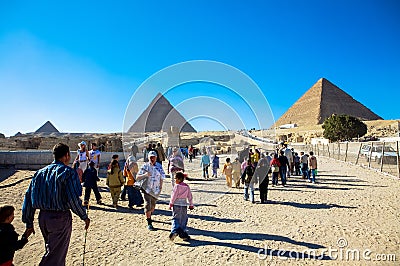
[[377, 155]]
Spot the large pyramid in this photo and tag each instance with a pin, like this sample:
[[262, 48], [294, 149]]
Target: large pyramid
[[48, 127], [321, 101], [160, 115]]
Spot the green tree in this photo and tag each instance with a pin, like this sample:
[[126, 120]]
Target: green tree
[[343, 127]]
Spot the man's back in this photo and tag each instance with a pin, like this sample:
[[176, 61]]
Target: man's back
[[288, 154], [304, 159], [312, 162], [55, 187], [283, 160]]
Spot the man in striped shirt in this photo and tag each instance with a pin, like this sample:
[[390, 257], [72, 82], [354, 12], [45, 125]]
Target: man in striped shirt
[[54, 190]]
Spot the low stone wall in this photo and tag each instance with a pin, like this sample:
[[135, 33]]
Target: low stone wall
[[36, 159], [41, 142]]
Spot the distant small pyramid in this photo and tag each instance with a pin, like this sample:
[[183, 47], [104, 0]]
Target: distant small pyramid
[[321, 101], [47, 128], [18, 134], [160, 115]]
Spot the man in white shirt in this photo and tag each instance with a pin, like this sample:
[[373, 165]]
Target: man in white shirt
[[94, 155], [289, 156], [151, 177]]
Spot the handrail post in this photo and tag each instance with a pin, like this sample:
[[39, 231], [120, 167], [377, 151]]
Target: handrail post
[[398, 159], [370, 154], [383, 155], [358, 154]]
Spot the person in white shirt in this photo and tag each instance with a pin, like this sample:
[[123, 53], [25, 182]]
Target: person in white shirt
[[82, 156], [150, 178], [94, 156], [289, 155]]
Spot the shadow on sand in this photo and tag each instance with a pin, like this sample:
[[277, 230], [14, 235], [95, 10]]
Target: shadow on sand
[[320, 185], [6, 173], [199, 217], [166, 202], [110, 208], [310, 205], [261, 251]]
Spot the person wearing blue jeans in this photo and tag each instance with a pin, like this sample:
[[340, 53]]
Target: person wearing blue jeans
[[205, 163], [246, 191], [312, 162], [283, 160], [312, 176], [181, 197], [247, 180], [304, 165]]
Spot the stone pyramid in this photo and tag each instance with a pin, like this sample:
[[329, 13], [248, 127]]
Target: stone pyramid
[[321, 101], [160, 115], [47, 128]]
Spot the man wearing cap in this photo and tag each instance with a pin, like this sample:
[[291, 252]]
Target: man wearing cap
[[82, 156], [151, 177]]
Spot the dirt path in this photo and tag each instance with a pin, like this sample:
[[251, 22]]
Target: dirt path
[[349, 210]]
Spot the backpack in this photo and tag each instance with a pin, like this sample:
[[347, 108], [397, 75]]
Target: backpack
[[249, 171], [274, 168]]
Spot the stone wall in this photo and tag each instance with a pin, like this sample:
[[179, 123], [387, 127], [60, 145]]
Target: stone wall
[[35, 159], [106, 142]]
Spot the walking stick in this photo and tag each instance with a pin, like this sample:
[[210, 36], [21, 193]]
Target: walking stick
[[84, 245]]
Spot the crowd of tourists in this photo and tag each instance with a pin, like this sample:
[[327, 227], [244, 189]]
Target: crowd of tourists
[[56, 189]]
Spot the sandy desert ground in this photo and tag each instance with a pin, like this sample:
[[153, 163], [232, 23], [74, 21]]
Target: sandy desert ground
[[349, 211]]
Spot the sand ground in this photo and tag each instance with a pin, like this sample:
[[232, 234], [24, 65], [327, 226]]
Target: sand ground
[[350, 210]]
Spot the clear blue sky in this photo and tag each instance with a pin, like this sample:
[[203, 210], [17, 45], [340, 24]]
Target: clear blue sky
[[78, 63]]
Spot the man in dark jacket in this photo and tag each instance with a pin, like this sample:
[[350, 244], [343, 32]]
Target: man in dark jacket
[[90, 179], [284, 166]]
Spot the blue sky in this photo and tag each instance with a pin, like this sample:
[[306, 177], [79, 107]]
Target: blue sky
[[78, 64]]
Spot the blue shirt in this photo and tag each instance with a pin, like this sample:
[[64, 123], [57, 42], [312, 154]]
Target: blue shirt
[[205, 160], [215, 162], [55, 187]]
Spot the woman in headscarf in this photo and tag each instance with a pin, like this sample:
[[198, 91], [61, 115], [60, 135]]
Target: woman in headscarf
[[175, 164], [130, 170]]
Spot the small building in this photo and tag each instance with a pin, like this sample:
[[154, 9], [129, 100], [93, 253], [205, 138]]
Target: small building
[[315, 141]]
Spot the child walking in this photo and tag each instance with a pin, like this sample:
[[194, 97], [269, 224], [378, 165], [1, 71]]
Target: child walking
[[180, 196], [227, 171], [75, 165], [215, 166], [90, 179], [9, 242], [275, 165], [115, 181]]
